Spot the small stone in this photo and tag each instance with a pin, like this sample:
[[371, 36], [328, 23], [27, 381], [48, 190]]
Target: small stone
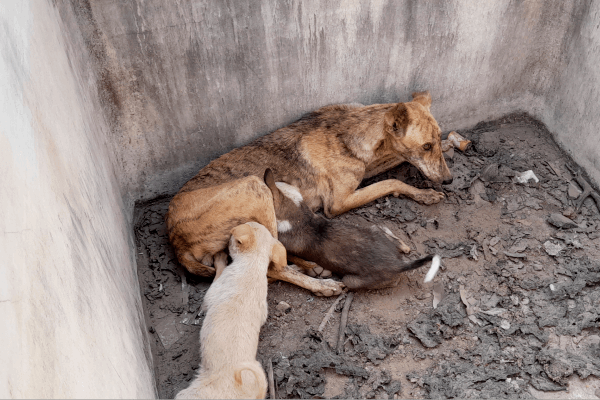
[[283, 307], [560, 221], [570, 213], [537, 267], [552, 287], [505, 324], [525, 301], [311, 272], [318, 270], [515, 299], [552, 248], [573, 191], [326, 273]]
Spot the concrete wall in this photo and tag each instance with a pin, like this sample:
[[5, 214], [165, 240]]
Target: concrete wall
[[70, 319], [572, 103], [197, 78], [106, 102]]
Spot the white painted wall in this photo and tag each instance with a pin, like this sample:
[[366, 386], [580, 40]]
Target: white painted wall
[[70, 309]]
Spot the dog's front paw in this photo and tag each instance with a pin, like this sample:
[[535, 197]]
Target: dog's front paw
[[428, 196], [328, 287]]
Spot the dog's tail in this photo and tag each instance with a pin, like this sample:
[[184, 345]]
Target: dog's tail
[[415, 264], [435, 266], [259, 389]]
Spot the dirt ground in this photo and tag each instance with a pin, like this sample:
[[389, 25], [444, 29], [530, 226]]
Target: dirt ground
[[519, 314]]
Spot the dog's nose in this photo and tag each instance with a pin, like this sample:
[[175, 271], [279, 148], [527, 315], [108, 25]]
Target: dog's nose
[[448, 181]]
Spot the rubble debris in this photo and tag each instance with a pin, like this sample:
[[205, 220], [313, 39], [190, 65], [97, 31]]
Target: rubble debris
[[588, 191], [272, 392], [560, 221], [167, 331], [375, 348], [301, 373], [343, 322], [283, 307], [438, 293], [573, 191], [331, 310], [553, 249]]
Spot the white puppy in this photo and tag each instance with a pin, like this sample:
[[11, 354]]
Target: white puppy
[[236, 308]]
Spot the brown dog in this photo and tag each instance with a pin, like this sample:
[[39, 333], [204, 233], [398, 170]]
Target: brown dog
[[325, 154]]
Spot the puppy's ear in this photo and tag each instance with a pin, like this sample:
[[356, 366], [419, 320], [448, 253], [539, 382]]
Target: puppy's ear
[[270, 181], [278, 255], [396, 119], [423, 98], [244, 237]]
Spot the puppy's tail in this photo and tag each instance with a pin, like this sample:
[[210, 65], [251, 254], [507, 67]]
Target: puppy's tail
[[259, 389], [416, 264]]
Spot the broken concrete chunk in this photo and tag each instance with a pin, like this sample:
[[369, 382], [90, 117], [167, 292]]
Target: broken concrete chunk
[[573, 191], [560, 221], [283, 307], [553, 248]]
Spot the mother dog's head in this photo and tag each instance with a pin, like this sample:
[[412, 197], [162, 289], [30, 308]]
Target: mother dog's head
[[415, 135]]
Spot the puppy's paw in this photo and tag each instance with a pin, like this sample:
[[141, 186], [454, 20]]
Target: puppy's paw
[[428, 196], [328, 287]]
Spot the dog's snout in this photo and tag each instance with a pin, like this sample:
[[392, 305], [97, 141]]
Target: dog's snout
[[448, 181]]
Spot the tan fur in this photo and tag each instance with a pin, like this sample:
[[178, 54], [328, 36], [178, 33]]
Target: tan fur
[[326, 154], [200, 222], [236, 308]]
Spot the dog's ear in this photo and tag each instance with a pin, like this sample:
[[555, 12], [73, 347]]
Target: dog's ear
[[423, 98], [244, 237], [396, 119], [278, 255], [270, 181]]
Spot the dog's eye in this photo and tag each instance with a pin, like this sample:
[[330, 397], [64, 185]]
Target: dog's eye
[[395, 126], [427, 146]]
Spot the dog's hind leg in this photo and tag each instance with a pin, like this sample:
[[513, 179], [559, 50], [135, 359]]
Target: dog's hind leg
[[188, 260], [320, 287], [342, 203]]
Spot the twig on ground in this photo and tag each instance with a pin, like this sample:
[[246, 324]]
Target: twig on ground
[[331, 310], [343, 322], [272, 393]]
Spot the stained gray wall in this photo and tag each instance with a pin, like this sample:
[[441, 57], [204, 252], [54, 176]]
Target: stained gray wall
[[196, 78], [572, 103], [70, 310], [108, 102]]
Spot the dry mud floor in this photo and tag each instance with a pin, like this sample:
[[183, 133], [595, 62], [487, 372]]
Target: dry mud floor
[[519, 315]]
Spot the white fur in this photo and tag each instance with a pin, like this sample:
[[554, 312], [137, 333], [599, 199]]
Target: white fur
[[291, 192], [284, 226], [236, 308], [435, 266]]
